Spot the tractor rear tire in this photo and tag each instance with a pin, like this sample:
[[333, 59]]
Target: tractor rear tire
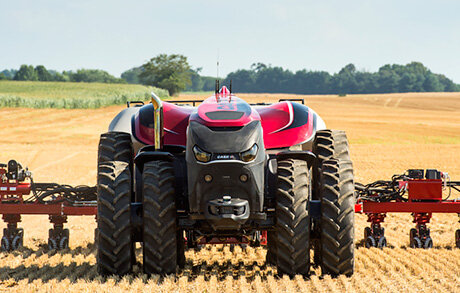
[[337, 218], [292, 218], [115, 146], [114, 249], [162, 247], [271, 248], [328, 144]]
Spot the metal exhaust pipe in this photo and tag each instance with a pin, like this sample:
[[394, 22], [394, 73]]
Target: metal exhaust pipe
[[158, 121]]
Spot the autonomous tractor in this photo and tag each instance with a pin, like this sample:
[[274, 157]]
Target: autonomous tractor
[[175, 176]]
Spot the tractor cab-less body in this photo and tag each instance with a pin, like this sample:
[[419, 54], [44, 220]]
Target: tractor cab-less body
[[223, 172]]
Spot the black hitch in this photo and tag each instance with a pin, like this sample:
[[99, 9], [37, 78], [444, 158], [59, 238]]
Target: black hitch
[[227, 213]]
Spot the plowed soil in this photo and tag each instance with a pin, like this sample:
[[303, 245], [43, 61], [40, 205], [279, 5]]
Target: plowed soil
[[388, 134]]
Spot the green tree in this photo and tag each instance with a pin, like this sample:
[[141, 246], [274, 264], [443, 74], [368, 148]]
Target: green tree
[[258, 66], [345, 81], [2, 76], [26, 72], [60, 76], [93, 75], [196, 82], [388, 80], [242, 80], [43, 74], [407, 82], [273, 79], [132, 75], [9, 74], [432, 84], [170, 72], [449, 85]]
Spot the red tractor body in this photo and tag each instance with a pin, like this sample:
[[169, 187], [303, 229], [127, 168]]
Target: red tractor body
[[284, 124]]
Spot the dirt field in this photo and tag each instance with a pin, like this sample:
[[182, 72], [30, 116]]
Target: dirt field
[[388, 134]]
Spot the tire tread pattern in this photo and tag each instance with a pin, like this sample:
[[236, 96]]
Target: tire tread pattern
[[114, 254], [160, 235], [292, 218], [337, 217], [328, 144], [115, 146]]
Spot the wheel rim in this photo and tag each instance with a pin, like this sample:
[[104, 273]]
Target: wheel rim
[[17, 242], [416, 243], [428, 243], [52, 244], [64, 243], [370, 242], [5, 244], [382, 242]]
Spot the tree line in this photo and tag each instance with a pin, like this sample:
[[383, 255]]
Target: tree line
[[412, 77], [40, 73], [262, 78], [197, 82], [174, 73]]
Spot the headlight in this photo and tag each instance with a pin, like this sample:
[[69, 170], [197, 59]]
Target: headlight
[[201, 155], [250, 154]]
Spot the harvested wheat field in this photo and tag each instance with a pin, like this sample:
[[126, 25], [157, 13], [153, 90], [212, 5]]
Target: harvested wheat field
[[388, 134]]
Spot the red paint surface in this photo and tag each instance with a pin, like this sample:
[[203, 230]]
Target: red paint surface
[[411, 207], [224, 103], [275, 120], [425, 189], [175, 125]]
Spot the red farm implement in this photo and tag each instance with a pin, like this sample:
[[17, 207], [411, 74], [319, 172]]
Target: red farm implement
[[424, 197], [19, 195]]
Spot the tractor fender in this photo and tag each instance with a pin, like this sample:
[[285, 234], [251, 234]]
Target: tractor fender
[[307, 156], [149, 155], [318, 125], [122, 122]]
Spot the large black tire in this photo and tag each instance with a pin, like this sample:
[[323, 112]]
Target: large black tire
[[337, 218], [114, 249], [162, 248], [115, 146], [271, 248], [292, 218], [328, 144]]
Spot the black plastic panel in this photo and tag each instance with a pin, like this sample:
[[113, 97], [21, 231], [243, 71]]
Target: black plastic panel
[[224, 115]]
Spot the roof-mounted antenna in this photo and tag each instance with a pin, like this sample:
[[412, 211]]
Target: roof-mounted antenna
[[217, 79], [217, 87], [217, 63]]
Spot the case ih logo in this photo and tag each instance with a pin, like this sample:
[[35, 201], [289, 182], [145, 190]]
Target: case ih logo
[[225, 157]]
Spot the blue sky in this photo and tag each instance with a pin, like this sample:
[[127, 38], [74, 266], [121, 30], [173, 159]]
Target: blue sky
[[316, 35]]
